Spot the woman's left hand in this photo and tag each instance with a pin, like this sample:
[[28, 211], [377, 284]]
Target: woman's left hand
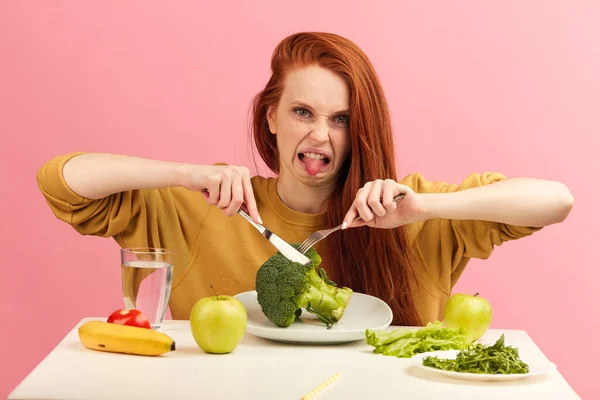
[[375, 205]]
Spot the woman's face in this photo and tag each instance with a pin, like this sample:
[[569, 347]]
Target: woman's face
[[311, 124]]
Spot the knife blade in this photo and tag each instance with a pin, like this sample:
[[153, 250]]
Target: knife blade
[[284, 247]]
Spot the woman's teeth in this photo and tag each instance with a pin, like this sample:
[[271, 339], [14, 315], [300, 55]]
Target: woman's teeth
[[314, 156]]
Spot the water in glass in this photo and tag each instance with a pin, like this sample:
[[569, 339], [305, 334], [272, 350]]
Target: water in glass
[[147, 287]]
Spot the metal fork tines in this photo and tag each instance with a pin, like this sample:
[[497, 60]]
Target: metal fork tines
[[317, 236]]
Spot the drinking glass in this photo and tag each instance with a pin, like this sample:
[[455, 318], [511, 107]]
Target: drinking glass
[[146, 275]]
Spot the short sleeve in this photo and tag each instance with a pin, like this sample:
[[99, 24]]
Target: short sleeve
[[169, 217], [453, 241]]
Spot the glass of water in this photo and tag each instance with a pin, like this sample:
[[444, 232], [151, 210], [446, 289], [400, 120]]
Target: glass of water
[[146, 275]]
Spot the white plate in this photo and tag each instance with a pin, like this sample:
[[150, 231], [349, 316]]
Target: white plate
[[363, 312], [536, 367]]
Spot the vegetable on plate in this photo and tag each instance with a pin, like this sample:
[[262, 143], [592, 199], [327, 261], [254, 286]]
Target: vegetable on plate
[[284, 288], [406, 342], [480, 359]]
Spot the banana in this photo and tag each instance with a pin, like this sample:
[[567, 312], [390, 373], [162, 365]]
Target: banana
[[115, 338]]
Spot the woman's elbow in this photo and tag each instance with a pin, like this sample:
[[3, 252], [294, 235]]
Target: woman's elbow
[[564, 203]]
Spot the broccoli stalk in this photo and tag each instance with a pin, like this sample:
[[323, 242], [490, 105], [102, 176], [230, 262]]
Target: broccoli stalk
[[324, 299], [284, 288]]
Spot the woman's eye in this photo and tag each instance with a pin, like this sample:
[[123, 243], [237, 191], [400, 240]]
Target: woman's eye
[[303, 112], [342, 119]]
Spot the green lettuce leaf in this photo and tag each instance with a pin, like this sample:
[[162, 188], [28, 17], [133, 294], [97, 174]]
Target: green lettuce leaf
[[406, 342]]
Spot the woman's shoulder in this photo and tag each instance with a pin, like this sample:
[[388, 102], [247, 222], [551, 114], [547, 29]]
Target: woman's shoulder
[[260, 180]]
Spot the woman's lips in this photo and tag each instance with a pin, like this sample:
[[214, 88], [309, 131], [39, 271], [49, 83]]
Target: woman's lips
[[313, 162]]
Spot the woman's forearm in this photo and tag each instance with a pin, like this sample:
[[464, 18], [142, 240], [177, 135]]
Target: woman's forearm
[[515, 201], [97, 175]]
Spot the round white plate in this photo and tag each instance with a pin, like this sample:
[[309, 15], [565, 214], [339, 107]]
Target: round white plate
[[363, 312], [536, 367]]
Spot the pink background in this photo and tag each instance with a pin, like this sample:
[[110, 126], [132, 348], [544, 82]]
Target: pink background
[[511, 87]]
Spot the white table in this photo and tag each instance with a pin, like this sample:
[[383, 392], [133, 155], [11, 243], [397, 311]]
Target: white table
[[261, 369]]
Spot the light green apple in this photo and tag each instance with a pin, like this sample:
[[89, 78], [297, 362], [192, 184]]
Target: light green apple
[[218, 323], [472, 312]]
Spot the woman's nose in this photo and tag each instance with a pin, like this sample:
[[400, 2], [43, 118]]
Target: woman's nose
[[320, 131]]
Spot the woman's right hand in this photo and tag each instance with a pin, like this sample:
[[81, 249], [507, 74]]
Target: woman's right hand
[[224, 186], [97, 175]]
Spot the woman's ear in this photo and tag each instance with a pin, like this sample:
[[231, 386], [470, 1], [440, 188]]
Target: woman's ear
[[271, 119]]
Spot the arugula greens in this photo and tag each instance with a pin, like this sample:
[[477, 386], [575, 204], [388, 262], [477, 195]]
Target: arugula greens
[[406, 342], [480, 359]]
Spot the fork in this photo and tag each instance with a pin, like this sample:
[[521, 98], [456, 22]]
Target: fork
[[317, 236]]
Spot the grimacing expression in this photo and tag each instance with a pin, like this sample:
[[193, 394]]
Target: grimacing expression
[[311, 124]]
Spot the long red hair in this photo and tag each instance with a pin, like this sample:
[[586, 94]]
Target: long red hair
[[372, 261]]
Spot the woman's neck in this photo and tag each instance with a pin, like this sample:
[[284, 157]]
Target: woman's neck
[[303, 198]]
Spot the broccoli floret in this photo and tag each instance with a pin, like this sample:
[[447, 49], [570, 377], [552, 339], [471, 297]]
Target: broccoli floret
[[284, 288]]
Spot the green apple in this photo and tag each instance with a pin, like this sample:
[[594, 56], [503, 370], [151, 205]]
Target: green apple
[[472, 312], [218, 323]]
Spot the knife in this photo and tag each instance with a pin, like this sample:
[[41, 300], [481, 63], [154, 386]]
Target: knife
[[284, 247]]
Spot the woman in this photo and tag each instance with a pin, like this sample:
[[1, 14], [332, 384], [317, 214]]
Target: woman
[[323, 126]]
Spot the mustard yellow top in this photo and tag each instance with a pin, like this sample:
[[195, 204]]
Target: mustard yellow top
[[213, 249]]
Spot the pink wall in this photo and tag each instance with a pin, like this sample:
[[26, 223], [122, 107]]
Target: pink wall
[[510, 87]]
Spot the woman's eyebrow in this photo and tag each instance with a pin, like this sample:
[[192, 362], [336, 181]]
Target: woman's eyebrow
[[305, 105], [302, 104]]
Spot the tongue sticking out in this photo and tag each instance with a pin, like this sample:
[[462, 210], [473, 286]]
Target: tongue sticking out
[[312, 165]]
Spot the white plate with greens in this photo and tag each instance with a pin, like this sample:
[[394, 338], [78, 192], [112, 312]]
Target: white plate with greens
[[363, 312], [502, 363]]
